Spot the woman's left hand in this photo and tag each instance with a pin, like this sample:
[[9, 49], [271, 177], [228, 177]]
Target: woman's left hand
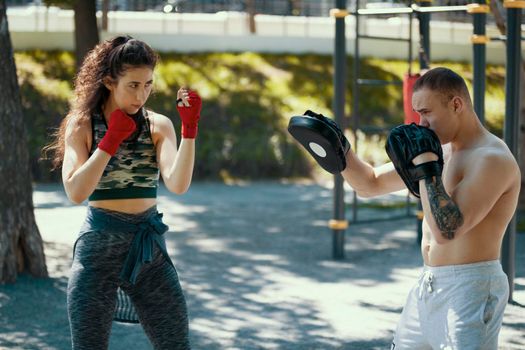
[[189, 105]]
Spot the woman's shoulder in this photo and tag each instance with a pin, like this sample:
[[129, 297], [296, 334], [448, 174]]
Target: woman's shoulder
[[160, 126], [157, 117], [77, 124], [159, 122], [78, 131]]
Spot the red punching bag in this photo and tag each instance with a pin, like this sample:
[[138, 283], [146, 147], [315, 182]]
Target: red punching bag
[[408, 86]]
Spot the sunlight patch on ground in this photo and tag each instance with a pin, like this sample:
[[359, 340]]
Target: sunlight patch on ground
[[60, 226], [209, 327], [337, 304], [209, 245], [24, 341], [3, 299], [179, 217], [50, 199]]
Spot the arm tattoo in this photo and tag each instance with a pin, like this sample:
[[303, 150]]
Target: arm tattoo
[[446, 213]]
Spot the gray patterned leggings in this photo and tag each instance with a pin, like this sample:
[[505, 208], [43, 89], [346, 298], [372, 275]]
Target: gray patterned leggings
[[99, 256]]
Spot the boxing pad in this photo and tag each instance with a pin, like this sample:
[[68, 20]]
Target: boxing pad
[[403, 144], [322, 138]]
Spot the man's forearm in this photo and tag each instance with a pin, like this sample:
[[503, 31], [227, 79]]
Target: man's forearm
[[358, 174], [447, 216]]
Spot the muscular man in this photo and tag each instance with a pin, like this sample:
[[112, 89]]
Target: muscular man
[[469, 191], [460, 298]]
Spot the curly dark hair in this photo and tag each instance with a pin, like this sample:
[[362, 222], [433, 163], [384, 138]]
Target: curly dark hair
[[109, 59]]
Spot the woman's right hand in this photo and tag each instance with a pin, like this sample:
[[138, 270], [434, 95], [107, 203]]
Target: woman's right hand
[[120, 127]]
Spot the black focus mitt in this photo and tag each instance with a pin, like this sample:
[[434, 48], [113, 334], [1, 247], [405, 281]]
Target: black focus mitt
[[322, 138], [404, 143]]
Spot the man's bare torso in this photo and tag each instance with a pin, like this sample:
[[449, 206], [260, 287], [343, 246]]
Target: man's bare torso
[[483, 241]]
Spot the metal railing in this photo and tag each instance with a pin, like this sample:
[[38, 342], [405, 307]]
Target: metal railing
[[308, 8], [317, 8]]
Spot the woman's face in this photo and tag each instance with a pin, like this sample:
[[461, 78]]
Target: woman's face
[[132, 89]]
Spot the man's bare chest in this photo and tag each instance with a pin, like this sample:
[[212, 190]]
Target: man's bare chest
[[453, 171]]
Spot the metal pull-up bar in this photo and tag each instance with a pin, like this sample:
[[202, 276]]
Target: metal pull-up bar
[[511, 128], [479, 40], [413, 8]]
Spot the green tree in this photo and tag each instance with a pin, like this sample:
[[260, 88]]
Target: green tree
[[21, 247]]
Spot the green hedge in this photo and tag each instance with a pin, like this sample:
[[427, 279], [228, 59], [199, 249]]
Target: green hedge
[[248, 99]]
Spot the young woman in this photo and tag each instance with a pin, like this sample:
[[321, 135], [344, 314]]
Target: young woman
[[111, 150]]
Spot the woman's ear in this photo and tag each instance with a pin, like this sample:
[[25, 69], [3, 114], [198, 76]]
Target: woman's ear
[[108, 83]]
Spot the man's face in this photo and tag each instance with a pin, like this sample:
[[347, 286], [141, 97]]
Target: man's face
[[436, 113]]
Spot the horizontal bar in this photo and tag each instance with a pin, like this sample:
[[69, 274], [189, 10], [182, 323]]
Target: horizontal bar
[[385, 11], [383, 38], [498, 38], [378, 82], [431, 9], [379, 219], [411, 9], [503, 38]]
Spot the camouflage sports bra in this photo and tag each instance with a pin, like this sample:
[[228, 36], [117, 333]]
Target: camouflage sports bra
[[133, 171]]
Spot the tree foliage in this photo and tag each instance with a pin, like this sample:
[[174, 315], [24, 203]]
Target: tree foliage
[[248, 100]]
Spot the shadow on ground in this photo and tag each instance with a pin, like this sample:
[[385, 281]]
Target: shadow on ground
[[255, 262]]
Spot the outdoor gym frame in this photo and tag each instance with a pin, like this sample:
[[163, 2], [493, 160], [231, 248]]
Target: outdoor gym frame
[[338, 224]]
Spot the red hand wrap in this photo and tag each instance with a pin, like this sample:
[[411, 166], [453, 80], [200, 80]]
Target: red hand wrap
[[190, 115], [120, 127]]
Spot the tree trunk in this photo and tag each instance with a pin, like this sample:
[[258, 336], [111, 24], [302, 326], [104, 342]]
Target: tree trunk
[[502, 27], [86, 29], [250, 9], [105, 10], [21, 247], [521, 140]]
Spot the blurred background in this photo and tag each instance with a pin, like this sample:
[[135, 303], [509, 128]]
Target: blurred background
[[256, 64], [249, 238]]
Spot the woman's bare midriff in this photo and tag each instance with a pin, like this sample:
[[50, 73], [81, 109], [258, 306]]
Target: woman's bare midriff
[[129, 206]]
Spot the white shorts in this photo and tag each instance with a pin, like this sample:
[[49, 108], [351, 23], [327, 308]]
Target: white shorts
[[454, 307]]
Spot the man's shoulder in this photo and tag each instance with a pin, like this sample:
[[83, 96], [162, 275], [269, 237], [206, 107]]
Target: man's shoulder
[[495, 148], [495, 156]]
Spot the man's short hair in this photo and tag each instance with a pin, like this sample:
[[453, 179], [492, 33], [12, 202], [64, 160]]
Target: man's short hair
[[445, 81]]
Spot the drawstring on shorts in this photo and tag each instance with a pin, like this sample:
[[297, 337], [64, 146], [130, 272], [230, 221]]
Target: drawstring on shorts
[[426, 283]]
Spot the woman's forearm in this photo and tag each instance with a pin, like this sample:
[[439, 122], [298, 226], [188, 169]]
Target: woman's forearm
[[82, 182], [181, 171]]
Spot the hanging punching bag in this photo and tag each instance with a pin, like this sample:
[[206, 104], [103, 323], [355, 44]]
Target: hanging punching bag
[[408, 86]]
